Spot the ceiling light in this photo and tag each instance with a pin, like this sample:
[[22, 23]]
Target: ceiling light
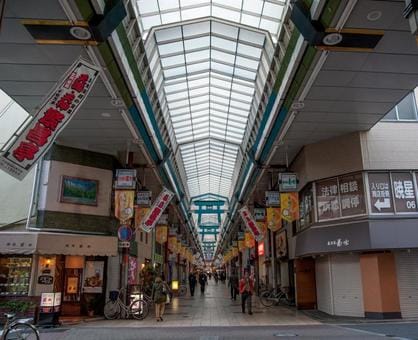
[[117, 102], [298, 105], [106, 114], [374, 15], [80, 33], [332, 39]]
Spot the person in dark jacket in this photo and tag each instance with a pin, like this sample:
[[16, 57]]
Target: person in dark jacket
[[233, 284], [192, 282], [160, 291], [202, 281]]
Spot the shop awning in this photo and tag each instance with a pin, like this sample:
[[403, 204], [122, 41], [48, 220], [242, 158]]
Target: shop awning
[[70, 244], [57, 244], [23, 243]]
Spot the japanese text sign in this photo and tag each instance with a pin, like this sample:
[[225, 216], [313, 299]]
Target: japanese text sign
[[404, 192], [288, 181], [250, 223], [157, 210], [125, 179], [327, 199], [54, 114], [380, 193], [289, 203], [352, 195], [272, 199]]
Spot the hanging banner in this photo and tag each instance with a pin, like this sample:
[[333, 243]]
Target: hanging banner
[[178, 248], [263, 227], [143, 198], [125, 179], [234, 251], [59, 107], [249, 240], [274, 219], [241, 245], [289, 203], [157, 210], [161, 234], [140, 213], [250, 223], [172, 244], [124, 204]]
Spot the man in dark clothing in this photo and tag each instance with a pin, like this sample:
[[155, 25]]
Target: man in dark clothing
[[233, 283], [202, 281], [192, 282]]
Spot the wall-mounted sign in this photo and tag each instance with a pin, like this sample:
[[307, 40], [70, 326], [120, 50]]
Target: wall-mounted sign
[[404, 192], [338, 243], [281, 244], [352, 195], [144, 198], [125, 179], [157, 210], [59, 107], [124, 204], [259, 214], [45, 280], [306, 207], [125, 233], [287, 181], [250, 223], [328, 199], [272, 199], [380, 193]]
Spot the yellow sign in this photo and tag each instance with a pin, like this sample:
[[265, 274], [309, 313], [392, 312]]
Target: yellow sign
[[234, 251], [241, 245], [124, 204], [172, 244], [161, 234], [249, 240], [289, 203], [274, 219], [263, 227], [178, 249]]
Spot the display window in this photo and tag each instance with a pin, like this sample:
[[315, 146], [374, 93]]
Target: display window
[[15, 275]]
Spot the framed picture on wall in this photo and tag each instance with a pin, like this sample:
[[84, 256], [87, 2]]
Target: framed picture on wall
[[77, 190]]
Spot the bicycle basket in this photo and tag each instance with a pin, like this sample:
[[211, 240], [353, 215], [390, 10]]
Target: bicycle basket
[[113, 295]]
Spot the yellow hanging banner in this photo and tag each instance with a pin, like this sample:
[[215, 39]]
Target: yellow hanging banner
[[263, 227], [124, 204], [178, 249], [161, 234], [289, 203], [249, 240], [234, 251], [274, 219], [172, 244], [241, 245], [140, 213]]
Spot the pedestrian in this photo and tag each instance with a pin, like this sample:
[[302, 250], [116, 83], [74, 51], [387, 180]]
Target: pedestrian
[[216, 277], [233, 284], [202, 281], [192, 282], [246, 289], [160, 296], [223, 277]]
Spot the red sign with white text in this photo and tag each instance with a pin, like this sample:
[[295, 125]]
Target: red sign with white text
[[250, 223], [157, 209], [60, 106]]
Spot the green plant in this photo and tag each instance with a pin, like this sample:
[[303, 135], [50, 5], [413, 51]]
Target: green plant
[[17, 306]]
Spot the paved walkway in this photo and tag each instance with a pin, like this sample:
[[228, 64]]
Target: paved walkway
[[214, 308]]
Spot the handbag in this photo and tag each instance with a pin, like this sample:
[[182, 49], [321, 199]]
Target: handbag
[[167, 301]]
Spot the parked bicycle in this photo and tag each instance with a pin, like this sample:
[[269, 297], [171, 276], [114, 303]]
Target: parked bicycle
[[270, 297], [18, 329], [182, 289], [116, 307]]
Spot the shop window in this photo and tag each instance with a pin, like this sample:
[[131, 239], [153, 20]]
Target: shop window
[[15, 275]]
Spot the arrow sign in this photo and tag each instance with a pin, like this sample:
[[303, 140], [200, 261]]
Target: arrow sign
[[382, 205]]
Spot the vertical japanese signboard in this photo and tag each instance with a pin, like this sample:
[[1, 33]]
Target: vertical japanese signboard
[[157, 210], [250, 223], [352, 195], [404, 192], [289, 203], [272, 199], [306, 207], [327, 199], [380, 193], [125, 179], [274, 218], [54, 114]]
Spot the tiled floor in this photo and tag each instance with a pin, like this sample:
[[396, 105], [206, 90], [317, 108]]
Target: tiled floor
[[214, 308]]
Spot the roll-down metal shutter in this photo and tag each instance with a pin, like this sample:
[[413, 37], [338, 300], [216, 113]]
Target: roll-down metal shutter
[[407, 273], [346, 285], [323, 284]]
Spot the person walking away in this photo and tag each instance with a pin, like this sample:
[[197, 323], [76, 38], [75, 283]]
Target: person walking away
[[192, 282], [246, 289], [233, 284], [160, 292], [202, 281], [216, 277]]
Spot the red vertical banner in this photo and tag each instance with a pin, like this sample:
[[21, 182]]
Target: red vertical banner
[[251, 224]]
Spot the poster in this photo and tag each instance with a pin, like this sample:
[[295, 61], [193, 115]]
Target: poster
[[274, 218], [132, 270], [140, 213], [59, 107], [161, 234], [157, 210], [93, 277], [352, 195], [125, 179], [124, 204], [289, 206], [281, 244]]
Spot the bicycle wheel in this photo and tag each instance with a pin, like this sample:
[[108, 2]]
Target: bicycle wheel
[[182, 290], [111, 310], [266, 300], [139, 309], [22, 331]]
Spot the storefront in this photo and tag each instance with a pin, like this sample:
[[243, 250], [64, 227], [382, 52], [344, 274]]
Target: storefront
[[74, 265]]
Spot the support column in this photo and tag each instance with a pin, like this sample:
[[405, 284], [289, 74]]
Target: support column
[[305, 284], [380, 286]]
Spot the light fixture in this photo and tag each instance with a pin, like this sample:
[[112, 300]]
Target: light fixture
[[298, 105], [117, 102], [374, 15], [332, 39], [80, 33], [106, 114]]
